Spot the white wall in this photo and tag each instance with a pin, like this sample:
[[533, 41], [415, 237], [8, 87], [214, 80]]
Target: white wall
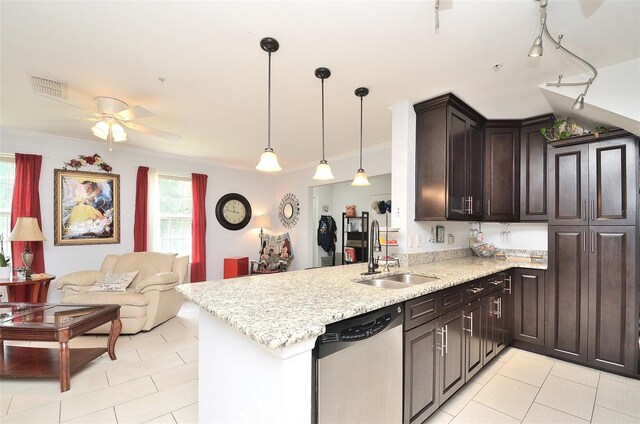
[[259, 189], [375, 160]]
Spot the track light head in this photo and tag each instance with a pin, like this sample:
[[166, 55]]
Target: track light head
[[536, 48], [579, 103]]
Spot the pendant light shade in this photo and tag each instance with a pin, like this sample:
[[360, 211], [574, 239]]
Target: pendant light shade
[[536, 48], [323, 170], [361, 179], [268, 159], [579, 103]]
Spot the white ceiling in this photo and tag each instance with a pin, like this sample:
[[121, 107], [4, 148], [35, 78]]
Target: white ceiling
[[215, 93]]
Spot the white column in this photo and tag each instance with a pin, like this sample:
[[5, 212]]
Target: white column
[[244, 382]]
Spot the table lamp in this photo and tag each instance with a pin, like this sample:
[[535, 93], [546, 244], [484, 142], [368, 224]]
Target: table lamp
[[262, 222], [26, 229]]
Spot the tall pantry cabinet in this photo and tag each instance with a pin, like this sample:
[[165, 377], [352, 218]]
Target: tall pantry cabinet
[[592, 293]]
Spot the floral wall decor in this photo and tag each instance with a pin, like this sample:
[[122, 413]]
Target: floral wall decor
[[82, 160]]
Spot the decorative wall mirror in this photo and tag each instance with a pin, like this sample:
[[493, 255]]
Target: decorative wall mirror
[[289, 210]]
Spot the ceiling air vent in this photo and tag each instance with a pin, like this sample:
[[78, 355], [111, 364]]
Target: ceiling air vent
[[48, 87]]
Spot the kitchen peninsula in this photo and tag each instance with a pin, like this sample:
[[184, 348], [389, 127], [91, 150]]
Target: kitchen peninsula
[[257, 333]]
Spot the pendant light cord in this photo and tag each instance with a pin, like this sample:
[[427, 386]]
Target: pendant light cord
[[269, 107], [322, 118], [361, 99]]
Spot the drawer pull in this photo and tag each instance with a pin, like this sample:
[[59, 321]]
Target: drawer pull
[[476, 290]]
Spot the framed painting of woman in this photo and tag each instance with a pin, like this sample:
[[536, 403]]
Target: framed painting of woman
[[86, 208]]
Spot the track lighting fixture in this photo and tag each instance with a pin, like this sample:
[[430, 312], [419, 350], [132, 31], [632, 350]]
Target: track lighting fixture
[[268, 159], [323, 171], [536, 51]]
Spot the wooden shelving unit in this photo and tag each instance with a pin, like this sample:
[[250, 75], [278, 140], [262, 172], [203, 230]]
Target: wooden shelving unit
[[357, 239]]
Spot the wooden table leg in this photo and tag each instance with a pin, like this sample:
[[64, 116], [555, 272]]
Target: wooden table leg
[[33, 292], [44, 292], [114, 333], [65, 376]]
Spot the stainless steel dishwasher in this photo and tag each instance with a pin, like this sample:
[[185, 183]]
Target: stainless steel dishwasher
[[359, 369]]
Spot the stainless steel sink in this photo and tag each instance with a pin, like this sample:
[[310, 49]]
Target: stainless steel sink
[[410, 278], [398, 281]]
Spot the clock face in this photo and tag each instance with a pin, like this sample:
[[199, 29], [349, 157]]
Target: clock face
[[233, 211]]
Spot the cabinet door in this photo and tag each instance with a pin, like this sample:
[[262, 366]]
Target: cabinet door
[[533, 174], [501, 174], [475, 167], [489, 309], [508, 305], [613, 316], [473, 338], [500, 322], [568, 185], [568, 292], [528, 308], [612, 182], [452, 364], [457, 194], [420, 372]]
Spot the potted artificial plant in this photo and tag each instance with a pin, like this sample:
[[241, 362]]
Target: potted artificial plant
[[5, 267]]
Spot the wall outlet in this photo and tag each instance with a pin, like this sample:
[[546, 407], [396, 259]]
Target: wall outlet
[[411, 242], [397, 211], [450, 239], [418, 241]]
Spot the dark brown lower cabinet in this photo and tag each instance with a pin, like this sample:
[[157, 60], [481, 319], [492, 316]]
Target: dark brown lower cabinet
[[529, 306], [452, 353], [613, 302], [420, 372], [592, 305], [474, 346], [494, 325]]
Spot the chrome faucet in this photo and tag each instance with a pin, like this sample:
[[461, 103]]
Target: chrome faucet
[[374, 246]]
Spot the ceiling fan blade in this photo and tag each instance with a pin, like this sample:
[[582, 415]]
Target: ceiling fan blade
[[152, 131], [133, 113], [71, 104]]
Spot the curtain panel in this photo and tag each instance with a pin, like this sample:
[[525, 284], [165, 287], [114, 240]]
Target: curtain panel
[[26, 203], [140, 224], [199, 228]]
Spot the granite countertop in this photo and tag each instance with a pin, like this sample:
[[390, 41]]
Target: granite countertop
[[280, 310]]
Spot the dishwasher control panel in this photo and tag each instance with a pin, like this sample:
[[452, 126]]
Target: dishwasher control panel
[[365, 330], [362, 327]]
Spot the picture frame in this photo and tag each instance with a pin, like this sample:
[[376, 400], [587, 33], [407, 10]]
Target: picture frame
[[86, 208]]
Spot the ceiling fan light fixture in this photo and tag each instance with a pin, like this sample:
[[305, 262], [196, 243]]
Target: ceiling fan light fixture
[[101, 130], [323, 171], [268, 162], [118, 133]]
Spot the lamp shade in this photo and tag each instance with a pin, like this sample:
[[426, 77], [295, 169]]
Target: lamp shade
[[323, 171], [536, 48], [268, 162], [360, 179], [101, 130], [579, 103], [262, 221], [118, 134], [26, 229]]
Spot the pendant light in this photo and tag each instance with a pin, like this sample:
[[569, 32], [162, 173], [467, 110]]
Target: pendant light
[[361, 180], [269, 160], [323, 171]]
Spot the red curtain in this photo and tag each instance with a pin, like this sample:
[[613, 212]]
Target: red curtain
[[141, 212], [199, 229], [26, 203]]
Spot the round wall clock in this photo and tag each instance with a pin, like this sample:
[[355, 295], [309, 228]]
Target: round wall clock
[[233, 211], [289, 210]]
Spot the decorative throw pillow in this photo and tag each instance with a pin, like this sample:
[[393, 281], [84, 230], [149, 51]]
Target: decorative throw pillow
[[114, 282]]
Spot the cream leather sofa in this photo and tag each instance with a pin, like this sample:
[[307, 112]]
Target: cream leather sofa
[[149, 300]]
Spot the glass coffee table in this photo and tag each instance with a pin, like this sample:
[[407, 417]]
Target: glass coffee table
[[44, 322]]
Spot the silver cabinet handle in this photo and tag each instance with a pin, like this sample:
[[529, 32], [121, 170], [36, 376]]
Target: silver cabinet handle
[[593, 209], [488, 206], [470, 205], [446, 339], [584, 241], [470, 318], [496, 282], [500, 308], [497, 311], [441, 348], [476, 290], [508, 289], [584, 211], [593, 237]]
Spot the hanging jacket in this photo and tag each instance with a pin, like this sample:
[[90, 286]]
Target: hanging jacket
[[327, 233]]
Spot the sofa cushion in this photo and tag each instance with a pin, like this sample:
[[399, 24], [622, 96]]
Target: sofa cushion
[[147, 263], [108, 298], [114, 282]]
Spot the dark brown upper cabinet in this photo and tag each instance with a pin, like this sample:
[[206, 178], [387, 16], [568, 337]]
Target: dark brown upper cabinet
[[533, 169], [594, 183], [448, 160], [502, 171]]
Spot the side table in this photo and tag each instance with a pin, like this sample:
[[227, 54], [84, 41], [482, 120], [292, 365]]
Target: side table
[[37, 288]]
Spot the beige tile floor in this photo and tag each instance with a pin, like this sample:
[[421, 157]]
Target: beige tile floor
[[155, 380]]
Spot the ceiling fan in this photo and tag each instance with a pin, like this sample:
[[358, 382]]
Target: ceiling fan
[[114, 114]]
